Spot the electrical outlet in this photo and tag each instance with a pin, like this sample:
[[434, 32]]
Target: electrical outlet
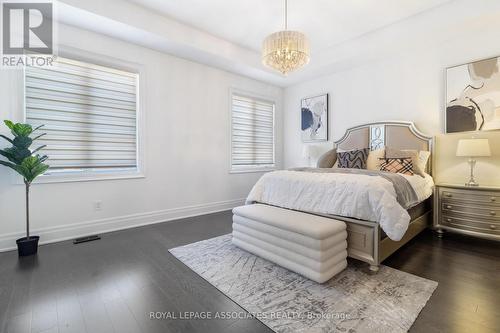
[[97, 205]]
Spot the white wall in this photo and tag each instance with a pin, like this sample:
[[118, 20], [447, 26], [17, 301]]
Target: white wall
[[405, 84], [187, 151]]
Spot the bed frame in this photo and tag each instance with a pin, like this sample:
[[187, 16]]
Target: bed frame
[[366, 241]]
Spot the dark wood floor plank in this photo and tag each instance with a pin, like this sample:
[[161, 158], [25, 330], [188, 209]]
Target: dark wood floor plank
[[468, 271], [113, 285], [69, 313], [19, 323], [44, 310], [122, 318]]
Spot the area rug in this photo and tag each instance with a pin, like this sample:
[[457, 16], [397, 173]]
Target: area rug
[[353, 301]]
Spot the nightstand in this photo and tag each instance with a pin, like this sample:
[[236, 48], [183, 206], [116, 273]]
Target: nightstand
[[473, 211]]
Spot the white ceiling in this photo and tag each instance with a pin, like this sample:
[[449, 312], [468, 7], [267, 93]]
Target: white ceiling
[[227, 34], [325, 22]]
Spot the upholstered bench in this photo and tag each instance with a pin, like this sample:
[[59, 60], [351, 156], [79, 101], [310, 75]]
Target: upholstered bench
[[310, 245]]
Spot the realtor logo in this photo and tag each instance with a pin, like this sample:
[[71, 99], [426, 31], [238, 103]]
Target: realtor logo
[[27, 28]]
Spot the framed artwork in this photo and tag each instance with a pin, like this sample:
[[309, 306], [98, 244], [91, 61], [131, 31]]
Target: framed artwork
[[314, 118], [473, 96]]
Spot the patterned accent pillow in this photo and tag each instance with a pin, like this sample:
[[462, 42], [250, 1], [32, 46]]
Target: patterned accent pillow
[[353, 159], [397, 165], [419, 158]]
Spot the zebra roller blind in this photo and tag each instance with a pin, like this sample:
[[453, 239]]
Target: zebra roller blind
[[252, 132], [89, 113]]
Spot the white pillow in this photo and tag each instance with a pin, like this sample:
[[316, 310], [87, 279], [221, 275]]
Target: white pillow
[[373, 161], [423, 158]]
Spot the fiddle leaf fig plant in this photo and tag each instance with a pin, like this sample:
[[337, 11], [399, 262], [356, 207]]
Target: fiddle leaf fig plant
[[22, 159]]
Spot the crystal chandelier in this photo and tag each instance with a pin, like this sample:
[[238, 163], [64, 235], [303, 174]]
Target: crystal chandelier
[[285, 50]]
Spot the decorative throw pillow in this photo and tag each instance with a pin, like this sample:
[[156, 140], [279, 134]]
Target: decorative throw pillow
[[328, 159], [353, 159], [373, 161], [397, 165], [419, 159]]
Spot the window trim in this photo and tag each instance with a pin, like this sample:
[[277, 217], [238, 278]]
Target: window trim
[[104, 174], [250, 168]]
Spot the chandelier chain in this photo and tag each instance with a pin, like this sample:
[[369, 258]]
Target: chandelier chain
[[286, 14]]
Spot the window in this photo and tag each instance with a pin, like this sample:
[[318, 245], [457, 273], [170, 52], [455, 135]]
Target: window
[[89, 113], [252, 133]]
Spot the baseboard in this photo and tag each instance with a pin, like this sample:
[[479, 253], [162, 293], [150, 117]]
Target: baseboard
[[65, 232]]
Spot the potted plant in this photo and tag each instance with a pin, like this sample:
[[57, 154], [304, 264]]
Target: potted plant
[[29, 165]]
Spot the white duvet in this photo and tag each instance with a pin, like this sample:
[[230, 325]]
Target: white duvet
[[370, 198]]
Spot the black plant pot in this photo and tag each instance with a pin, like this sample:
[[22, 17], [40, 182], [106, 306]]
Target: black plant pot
[[27, 246]]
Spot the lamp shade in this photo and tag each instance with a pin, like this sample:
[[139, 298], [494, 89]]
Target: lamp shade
[[473, 148], [285, 51]]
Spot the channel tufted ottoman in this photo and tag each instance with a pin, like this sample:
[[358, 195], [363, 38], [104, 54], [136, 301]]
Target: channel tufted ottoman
[[310, 245]]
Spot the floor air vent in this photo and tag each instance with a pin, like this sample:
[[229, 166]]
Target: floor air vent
[[86, 239]]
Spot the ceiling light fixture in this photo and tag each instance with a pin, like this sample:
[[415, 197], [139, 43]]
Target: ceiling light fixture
[[286, 50]]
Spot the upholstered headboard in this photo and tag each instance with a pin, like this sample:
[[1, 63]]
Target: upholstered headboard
[[395, 134]]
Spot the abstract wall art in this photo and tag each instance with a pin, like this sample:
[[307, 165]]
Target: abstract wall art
[[473, 96], [314, 118]]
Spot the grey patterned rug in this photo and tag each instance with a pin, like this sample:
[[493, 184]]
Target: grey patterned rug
[[352, 301]]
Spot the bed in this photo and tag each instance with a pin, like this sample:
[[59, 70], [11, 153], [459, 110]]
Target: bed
[[366, 240]]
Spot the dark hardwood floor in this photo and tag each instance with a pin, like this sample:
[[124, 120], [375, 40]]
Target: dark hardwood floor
[[113, 284]]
